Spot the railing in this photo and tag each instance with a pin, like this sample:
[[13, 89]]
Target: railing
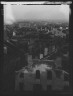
[[49, 54]]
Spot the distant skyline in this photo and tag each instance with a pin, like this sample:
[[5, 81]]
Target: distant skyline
[[15, 13]]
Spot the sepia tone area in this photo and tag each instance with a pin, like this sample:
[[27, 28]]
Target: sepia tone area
[[36, 55]]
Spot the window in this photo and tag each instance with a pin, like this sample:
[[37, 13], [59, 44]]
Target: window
[[49, 88], [49, 75], [37, 74], [37, 87], [21, 85]]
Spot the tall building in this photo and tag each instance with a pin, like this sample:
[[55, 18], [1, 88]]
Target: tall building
[[45, 51]]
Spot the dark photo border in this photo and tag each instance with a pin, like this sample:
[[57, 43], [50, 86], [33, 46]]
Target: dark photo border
[[2, 55]]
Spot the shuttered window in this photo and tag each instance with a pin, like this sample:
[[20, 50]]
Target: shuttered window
[[37, 74], [49, 75]]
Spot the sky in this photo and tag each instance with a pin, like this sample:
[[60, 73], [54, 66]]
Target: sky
[[13, 13]]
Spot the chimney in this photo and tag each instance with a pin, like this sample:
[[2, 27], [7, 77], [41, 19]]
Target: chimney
[[30, 62], [41, 56]]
